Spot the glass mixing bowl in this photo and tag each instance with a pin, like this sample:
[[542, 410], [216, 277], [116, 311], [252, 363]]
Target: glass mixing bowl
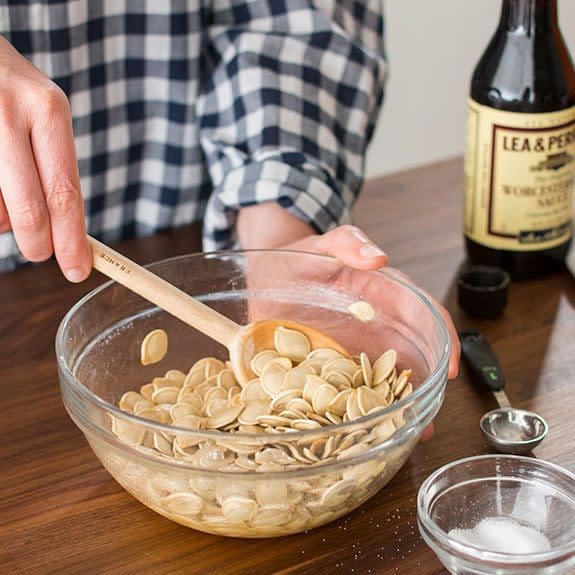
[[98, 347], [494, 514]]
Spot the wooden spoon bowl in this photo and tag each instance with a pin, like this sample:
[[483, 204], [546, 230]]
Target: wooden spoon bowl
[[258, 336]]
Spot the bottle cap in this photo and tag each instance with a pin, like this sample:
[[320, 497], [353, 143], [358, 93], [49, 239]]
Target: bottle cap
[[482, 290]]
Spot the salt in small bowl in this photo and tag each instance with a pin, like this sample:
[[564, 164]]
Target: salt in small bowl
[[500, 514]]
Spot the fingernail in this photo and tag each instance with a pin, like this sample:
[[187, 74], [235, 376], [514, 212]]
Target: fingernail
[[370, 251], [75, 275]]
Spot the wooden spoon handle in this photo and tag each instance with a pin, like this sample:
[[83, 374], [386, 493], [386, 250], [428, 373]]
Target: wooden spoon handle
[[163, 294]]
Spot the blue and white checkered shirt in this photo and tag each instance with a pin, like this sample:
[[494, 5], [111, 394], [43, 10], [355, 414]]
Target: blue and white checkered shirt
[[190, 109]]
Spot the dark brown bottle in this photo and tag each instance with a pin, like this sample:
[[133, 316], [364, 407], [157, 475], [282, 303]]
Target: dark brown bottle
[[520, 157]]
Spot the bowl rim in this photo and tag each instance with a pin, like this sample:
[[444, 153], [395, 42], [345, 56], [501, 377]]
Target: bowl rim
[[472, 553], [432, 377]]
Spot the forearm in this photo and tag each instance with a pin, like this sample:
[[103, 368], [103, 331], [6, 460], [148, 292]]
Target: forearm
[[268, 225]]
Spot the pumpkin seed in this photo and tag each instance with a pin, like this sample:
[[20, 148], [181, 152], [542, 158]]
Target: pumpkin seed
[[361, 310], [291, 344], [154, 347]]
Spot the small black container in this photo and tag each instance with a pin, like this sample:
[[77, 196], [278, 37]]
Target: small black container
[[482, 291]]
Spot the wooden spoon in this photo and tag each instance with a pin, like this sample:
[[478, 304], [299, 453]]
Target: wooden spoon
[[243, 342]]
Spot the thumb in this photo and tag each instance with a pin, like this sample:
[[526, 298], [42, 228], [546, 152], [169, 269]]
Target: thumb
[[349, 245]]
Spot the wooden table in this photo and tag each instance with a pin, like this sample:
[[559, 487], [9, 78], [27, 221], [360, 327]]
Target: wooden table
[[61, 513]]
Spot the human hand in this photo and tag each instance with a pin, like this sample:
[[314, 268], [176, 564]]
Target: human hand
[[351, 247], [268, 225], [40, 198]]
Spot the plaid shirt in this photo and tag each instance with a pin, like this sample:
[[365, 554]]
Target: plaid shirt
[[190, 109]]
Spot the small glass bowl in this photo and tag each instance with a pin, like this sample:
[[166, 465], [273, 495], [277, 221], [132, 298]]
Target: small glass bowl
[[526, 491]]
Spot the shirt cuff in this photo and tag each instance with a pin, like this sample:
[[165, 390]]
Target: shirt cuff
[[305, 194]]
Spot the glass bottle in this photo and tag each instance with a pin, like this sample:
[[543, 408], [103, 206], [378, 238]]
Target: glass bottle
[[520, 153]]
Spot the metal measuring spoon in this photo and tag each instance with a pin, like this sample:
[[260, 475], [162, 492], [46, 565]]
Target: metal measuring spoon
[[507, 429]]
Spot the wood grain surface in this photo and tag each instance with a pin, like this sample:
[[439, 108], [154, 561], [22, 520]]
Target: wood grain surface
[[62, 513]]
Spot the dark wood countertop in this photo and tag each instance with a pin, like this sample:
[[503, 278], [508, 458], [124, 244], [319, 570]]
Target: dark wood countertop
[[62, 513]]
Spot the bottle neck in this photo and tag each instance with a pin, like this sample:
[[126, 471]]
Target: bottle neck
[[528, 16]]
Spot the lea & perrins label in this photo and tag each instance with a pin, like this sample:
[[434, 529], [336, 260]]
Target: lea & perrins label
[[519, 178]]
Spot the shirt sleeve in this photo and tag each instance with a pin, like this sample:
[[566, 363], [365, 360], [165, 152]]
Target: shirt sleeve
[[290, 93]]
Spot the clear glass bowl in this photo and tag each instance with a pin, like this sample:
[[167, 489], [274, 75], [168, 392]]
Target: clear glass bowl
[[532, 501], [97, 348]]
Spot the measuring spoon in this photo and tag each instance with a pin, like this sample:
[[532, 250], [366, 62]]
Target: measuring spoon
[[507, 429]]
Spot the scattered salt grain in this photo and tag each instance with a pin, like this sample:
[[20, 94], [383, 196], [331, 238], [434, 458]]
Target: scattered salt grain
[[503, 535]]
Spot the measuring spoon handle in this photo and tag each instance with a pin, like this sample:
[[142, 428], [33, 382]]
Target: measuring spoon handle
[[481, 360]]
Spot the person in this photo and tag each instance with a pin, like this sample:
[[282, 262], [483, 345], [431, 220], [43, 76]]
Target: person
[[123, 118]]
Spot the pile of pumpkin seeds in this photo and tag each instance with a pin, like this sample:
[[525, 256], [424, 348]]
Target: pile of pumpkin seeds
[[294, 389]]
